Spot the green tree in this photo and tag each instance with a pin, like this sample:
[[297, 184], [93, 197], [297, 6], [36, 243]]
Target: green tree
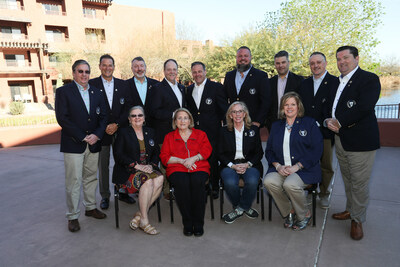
[[304, 26]]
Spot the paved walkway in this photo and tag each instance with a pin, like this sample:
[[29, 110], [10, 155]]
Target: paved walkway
[[34, 230]]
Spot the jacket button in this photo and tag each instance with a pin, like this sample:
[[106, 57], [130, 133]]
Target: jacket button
[[87, 132], [88, 119], [237, 99], [198, 113], [313, 106], [292, 157]]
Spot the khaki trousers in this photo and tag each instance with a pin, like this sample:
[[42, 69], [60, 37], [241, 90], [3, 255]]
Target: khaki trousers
[[355, 168], [288, 192], [326, 168], [80, 169]]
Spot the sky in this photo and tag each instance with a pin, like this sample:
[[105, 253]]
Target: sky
[[220, 20]]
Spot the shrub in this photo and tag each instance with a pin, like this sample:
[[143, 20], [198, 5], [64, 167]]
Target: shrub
[[17, 108]]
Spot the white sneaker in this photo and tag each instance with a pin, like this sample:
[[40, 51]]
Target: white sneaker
[[324, 202]]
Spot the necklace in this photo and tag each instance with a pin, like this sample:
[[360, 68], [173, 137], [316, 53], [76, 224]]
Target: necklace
[[288, 127]]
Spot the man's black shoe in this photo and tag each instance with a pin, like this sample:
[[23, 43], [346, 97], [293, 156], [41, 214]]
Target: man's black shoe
[[105, 203]]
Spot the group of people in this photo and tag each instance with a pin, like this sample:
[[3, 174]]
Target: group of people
[[209, 133]]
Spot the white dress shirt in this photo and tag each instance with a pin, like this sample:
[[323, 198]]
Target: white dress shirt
[[342, 85], [317, 82], [198, 92], [176, 90], [109, 89], [281, 89]]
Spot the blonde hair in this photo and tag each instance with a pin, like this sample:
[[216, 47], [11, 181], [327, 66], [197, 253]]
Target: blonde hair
[[229, 120], [285, 98], [191, 125]]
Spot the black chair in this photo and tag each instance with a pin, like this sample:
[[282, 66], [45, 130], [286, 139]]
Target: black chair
[[171, 200], [260, 194], [311, 189], [116, 199]]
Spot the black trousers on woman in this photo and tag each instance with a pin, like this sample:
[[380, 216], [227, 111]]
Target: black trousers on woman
[[190, 196]]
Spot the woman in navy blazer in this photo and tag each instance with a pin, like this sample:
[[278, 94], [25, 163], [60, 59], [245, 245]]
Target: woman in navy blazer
[[240, 153], [136, 157], [293, 151]]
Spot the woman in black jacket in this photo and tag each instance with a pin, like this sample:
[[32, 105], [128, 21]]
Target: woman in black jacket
[[136, 157]]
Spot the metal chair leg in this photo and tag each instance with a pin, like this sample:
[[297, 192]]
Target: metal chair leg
[[171, 208], [314, 205], [211, 202], [221, 199], [158, 209], [116, 207], [262, 203], [269, 207]]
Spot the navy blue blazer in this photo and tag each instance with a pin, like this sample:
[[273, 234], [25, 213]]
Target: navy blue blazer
[[127, 151], [137, 101], [164, 103], [252, 148], [314, 105], [120, 104], [356, 112], [213, 106], [76, 122], [292, 84], [255, 93], [306, 145]]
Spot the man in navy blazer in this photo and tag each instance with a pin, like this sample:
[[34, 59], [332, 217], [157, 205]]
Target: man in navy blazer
[[168, 95], [353, 120], [285, 81], [117, 98], [207, 102], [314, 92], [141, 87], [249, 85], [81, 113]]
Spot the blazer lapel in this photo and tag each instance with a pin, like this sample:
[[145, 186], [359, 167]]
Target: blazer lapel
[[349, 85], [78, 95], [171, 93]]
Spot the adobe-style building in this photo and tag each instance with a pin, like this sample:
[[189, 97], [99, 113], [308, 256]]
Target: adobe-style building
[[33, 32]]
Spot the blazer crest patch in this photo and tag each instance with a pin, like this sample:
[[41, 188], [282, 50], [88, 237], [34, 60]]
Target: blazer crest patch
[[252, 133], [209, 101], [98, 110], [303, 133], [122, 100], [151, 142], [252, 91], [351, 103]]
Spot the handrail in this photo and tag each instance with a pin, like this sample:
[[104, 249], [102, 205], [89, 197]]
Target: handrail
[[388, 111]]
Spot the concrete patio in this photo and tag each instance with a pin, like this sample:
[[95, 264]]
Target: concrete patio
[[34, 228]]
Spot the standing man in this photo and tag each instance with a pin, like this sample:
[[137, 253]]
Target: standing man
[[356, 131], [314, 93], [117, 98], [81, 113], [249, 85], [141, 87], [282, 83], [207, 102], [169, 95]]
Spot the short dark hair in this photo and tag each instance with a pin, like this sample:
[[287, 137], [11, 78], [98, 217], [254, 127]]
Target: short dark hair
[[168, 60], [198, 63], [79, 62], [107, 56], [243, 47], [282, 53], [318, 53], [353, 50], [138, 59]]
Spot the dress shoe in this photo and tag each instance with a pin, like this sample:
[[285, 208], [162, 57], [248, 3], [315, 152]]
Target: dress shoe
[[198, 232], [345, 215], [187, 232], [356, 231], [105, 203], [95, 214], [215, 194], [73, 225], [126, 198]]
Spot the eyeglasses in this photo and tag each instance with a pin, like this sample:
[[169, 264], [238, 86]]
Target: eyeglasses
[[237, 111], [84, 71], [134, 115], [182, 118]]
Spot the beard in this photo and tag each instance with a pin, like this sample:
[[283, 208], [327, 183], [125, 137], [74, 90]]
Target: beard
[[243, 67]]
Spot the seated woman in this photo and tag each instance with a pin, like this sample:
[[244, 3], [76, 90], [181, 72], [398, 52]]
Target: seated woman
[[136, 166], [293, 151], [185, 152], [240, 154]]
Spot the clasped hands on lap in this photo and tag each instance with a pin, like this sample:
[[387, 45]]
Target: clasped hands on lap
[[287, 170], [240, 168]]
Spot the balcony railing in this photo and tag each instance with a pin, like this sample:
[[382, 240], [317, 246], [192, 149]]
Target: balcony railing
[[390, 111], [92, 16], [16, 63], [11, 6], [55, 12], [13, 36]]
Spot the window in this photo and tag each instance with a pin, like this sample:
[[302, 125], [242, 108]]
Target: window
[[20, 92], [11, 33], [15, 60], [89, 13], [8, 4], [54, 36], [95, 35], [54, 60], [51, 9]]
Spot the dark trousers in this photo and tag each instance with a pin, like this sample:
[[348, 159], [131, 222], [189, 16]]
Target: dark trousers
[[190, 196]]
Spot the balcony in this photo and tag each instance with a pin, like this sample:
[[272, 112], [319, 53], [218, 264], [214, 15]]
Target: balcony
[[11, 6], [13, 36], [55, 12], [93, 16]]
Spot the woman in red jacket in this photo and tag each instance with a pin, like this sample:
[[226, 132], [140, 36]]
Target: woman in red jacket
[[185, 152]]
